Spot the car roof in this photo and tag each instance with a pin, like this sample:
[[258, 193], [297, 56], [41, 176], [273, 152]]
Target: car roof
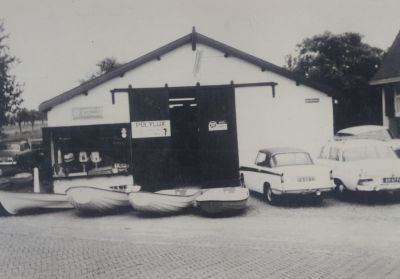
[[361, 129], [276, 150], [357, 142]]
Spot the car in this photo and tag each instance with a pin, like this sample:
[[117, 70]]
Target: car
[[361, 165], [15, 156], [281, 171], [375, 132]]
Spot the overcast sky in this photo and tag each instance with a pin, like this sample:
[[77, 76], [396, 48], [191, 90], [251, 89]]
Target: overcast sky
[[59, 42]]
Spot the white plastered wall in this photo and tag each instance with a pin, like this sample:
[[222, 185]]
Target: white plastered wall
[[262, 121]]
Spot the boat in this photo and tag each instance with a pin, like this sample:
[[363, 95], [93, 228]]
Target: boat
[[227, 199], [88, 198], [164, 201], [4, 182], [14, 203], [21, 178]]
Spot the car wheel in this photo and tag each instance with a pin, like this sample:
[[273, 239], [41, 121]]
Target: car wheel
[[318, 200], [269, 195]]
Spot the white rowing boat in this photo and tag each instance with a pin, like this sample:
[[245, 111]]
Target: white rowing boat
[[13, 203], [86, 198], [218, 200], [164, 201]]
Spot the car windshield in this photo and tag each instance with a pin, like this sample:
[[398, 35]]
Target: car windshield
[[367, 152], [291, 159], [10, 146]]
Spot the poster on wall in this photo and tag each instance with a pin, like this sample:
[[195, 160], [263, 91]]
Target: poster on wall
[[151, 129]]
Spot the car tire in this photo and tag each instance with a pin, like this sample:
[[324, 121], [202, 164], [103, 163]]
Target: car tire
[[271, 198], [318, 200]]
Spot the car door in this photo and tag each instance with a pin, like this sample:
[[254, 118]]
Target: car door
[[262, 163]]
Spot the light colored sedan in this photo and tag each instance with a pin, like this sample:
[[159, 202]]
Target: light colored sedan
[[374, 132], [286, 171], [362, 165]]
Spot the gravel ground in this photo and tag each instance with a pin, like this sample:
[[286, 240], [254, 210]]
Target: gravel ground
[[335, 239]]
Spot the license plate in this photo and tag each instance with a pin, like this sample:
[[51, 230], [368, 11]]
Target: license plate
[[391, 180]]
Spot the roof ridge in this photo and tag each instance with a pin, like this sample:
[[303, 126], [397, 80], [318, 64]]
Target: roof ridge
[[191, 38]]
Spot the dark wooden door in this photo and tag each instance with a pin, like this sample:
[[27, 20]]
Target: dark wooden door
[[218, 147], [151, 137]]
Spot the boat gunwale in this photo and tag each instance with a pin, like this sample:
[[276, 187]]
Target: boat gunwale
[[31, 193], [96, 188], [222, 200], [161, 194]]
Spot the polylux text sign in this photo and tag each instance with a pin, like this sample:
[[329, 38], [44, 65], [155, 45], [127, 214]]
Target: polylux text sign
[[151, 129]]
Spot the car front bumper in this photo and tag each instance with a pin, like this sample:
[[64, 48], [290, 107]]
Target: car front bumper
[[377, 188], [311, 191]]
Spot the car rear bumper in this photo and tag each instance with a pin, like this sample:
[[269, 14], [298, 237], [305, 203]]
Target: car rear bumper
[[316, 191]]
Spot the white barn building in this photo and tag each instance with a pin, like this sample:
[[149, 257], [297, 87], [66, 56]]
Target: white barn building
[[190, 112]]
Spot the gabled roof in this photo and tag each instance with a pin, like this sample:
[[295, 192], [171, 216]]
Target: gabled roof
[[192, 38], [389, 71]]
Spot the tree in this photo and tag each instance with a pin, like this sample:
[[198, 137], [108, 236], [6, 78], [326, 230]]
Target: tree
[[10, 89], [32, 116], [104, 66], [21, 116], [346, 64]]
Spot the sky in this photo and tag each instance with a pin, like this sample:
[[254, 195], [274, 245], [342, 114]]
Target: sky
[[59, 42]]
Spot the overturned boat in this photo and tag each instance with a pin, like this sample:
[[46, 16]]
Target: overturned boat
[[87, 198], [164, 201], [14, 203], [218, 200]]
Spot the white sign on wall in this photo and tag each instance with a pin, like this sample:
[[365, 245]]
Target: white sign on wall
[[87, 113], [217, 126], [311, 100], [151, 129]]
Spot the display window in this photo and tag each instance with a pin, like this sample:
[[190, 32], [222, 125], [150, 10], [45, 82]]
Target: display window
[[90, 150]]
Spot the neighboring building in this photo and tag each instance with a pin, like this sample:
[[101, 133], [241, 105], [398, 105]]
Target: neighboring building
[[387, 79], [188, 113]]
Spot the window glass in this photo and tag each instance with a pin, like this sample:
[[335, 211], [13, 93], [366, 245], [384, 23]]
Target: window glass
[[91, 150], [10, 146], [322, 153], [290, 159], [261, 159], [367, 152], [334, 153]]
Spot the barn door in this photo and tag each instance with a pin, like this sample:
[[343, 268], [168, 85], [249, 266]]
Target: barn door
[[151, 134], [218, 147]]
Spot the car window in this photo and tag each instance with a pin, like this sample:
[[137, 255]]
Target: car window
[[24, 146], [322, 154], [334, 154], [291, 159], [261, 159], [367, 152], [10, 146]]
